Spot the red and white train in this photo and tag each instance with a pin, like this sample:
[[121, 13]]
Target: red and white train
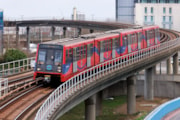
[[62, 59]]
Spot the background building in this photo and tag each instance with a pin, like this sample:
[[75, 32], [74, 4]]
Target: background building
[[77, 16], [1, 32], [150, 12]]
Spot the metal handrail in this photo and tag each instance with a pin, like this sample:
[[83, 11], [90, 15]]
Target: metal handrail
[[3, 86], [14, 67], [84, 78]]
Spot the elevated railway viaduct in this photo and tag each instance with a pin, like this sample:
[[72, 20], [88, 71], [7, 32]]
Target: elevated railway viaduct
[[88, 92]]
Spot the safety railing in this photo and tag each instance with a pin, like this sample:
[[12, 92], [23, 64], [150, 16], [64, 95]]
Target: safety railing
[[14, 67], [90, 75], [163, 110], [3, 86]]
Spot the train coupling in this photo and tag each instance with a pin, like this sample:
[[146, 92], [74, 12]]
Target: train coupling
[[47, 78]]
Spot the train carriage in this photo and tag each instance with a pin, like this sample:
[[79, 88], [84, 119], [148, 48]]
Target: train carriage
[[61, 59]]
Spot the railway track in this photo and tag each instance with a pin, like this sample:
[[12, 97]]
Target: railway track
[[166, 35], [19, 106]]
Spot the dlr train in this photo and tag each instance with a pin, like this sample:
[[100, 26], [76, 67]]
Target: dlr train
[[62, 59]]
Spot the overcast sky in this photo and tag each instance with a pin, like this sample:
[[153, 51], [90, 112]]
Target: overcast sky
[[93, 9]]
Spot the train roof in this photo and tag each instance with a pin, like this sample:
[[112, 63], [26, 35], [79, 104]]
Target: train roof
[[90, 37], [83, 40]]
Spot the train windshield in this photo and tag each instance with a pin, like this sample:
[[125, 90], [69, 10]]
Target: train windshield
[[42, 55], [58, 57]]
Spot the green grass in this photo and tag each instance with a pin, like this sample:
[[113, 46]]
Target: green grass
[[142, 116], [77, 113]]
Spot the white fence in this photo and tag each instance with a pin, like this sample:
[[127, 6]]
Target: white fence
[[84, 78], [3, 86], [14, 67]]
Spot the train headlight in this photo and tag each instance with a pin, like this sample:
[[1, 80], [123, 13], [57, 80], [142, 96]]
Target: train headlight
[[38, 69], [59, 69]]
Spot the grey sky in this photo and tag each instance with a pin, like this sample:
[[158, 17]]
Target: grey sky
[[97, 9]]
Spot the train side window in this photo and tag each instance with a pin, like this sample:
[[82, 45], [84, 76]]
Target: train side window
[[124, 41], [42, 55], [129, 40], [83, 51], [109, 45], [139, 37], [78, 53], [115, 43], [91, 49], [103, 46], [147, 36], [133, 38], [68, 55], [75, 54]]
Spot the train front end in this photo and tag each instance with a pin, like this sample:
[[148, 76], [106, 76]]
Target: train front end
[[49, 58]]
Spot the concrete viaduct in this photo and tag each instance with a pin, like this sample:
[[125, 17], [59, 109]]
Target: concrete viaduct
[[92, 94]]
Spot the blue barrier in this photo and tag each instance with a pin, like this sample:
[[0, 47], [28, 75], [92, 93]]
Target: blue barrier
[[164, 109]]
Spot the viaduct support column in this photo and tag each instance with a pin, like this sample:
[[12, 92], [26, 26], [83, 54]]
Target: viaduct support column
[[79, 31], [90, 108], [131, 94], [27, 38], [175, 63], [64, 32], [91, 30], [52, 31], [17, 36], [149, 83], [99, 99], [168, 62]]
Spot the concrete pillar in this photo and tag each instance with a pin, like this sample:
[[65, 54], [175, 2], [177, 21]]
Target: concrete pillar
[[64, 32], [131, 94], [175, 64], [149, 83], [168, 62], [27, 37], [91, 31], [99, 99], [53, 32], [17, 36], [90, 108], [79, 31]]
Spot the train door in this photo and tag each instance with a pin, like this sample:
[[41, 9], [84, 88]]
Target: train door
[[89, 54], [129, 43], [152, 37], [107, 49], [156, 36], [134, 42], [74, 60], [140, 42], [81, 51], [114, 47], [124, 45]]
